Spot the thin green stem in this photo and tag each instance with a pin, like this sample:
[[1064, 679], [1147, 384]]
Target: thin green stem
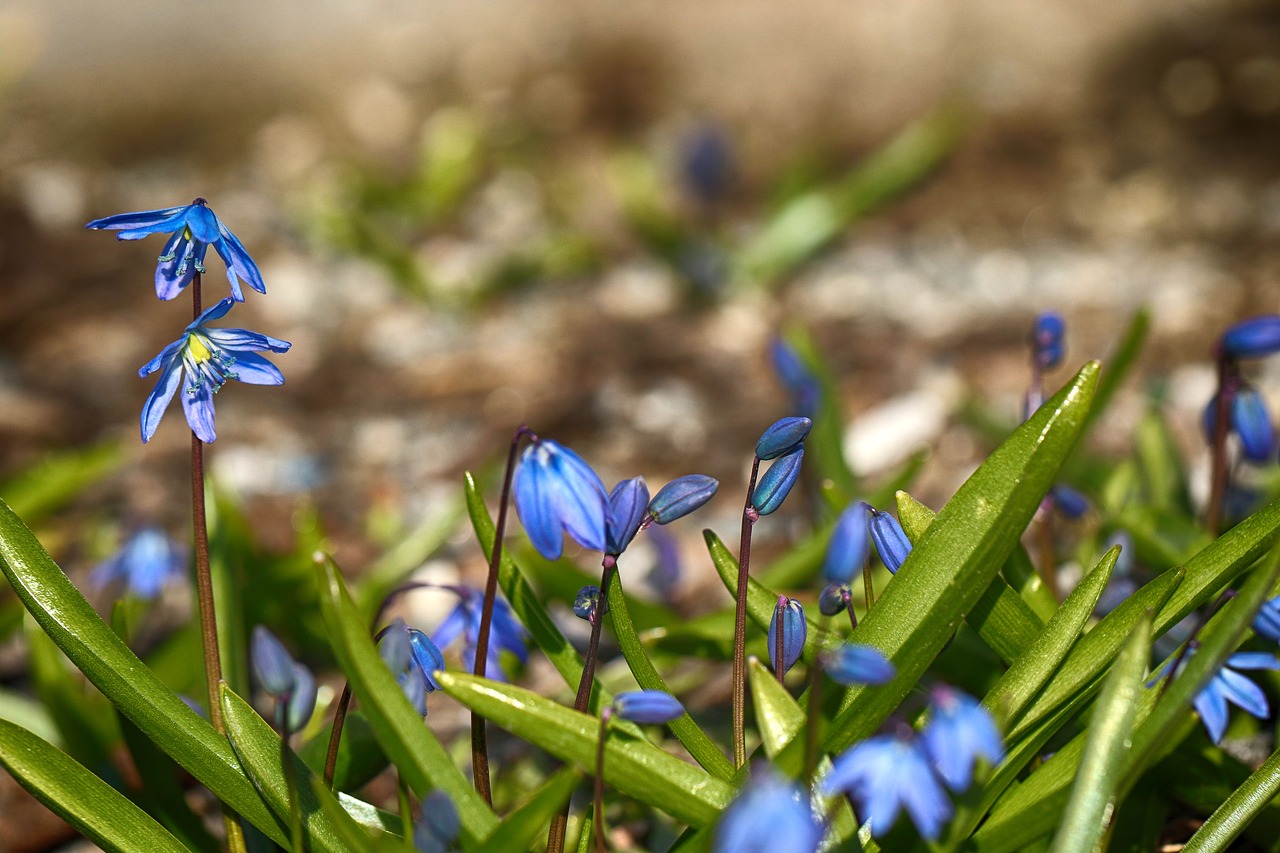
[[749, 518], [290, 776], [814, 718]]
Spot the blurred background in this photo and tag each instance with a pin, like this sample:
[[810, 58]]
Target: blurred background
[[595, 219]]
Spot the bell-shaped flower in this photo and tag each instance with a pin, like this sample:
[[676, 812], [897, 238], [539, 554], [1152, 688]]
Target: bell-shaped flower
[[803, 387], [959, 732], [682, 496], [890, 540], [776, 483], [647, 706], [556, 493], [586, 604], [788, 618], [1047, 340], [194, 228], [833, 598], [1249, 419], [1253, 338], [1267, 620], [427, 658], [771, 815], [855, 663], [1228, 685], [147, 561], [290, 683], [628, 505], [464, 621], [886, 774], [850, 543], [782, 437], [201, 361], [437, 827]]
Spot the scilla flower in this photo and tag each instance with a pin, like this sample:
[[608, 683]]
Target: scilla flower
[[557, 493], [1249, 419], [1253, 338], [959, 732], [1228, 685], [849, 545], [464, 621], [771, 815], [885, 774], [201, 362], [147, 561], [194, 229], [890, 539], [290, 683]]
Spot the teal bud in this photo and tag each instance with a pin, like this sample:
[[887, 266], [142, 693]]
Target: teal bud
[[682, 496], [776, 483], [782, 437], [788, 617]]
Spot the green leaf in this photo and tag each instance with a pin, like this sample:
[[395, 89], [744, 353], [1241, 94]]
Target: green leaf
[[1033, 668], [778, 717], [96, 651], [825, 443], [957, 558], [701, 747], [352, 833], [1002, 619], [258, 747], [86, 731], [1160, 463], [1094, 795], [393, 567], [1235, 813], [1120, 364], [53, 481], [634, 767], [162, 795], [101, 813], [519, 829], [360, 758]]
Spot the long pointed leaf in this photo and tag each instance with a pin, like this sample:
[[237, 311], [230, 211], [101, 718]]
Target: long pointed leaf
[[1237, 810], [519, 829]]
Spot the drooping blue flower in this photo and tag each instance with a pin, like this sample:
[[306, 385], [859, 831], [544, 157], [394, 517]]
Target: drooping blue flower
[[1253, 338], [647, 706], [1228, 685], [682, 496], [437, 827], [628, 505], [890, 539], [776, 483], [849, 545], [201, 361], [833, 598], [464, 620], [804, 389], [302, 699], [557, 493], [782, 437], [1249, 419], [587, 603], [290, 683], [885, 774], [1047, 339], [959, 732], [396, 653], [856, 663], [427, 658], [194, 229], [771, 815], [1267, 621], [795, 629], [147, 561]]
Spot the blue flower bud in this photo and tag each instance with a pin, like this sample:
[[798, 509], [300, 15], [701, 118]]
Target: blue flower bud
[[891, 540], [647, 706], [1251, 421], [833, 598], [1069, 501], [627, 507], [682, 496], [1047, 339], [1267, 622], [394, 648], [783, 437], [847, 551], [427, 657], [794, 632], [587, 602], [556, 492], [854, 663], [271, 662], [415, 689], [437, 828], [1253, 338], [802, 386], [776, 483], [302, 700]]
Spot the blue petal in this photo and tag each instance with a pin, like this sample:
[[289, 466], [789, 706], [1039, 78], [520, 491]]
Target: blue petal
[[1239, 690], [394, 648], [214, 312], [243, 339], [1252, 422], [230, 261], [794, 631], [1257, 336], [534, 506], [451, 628], [849, 546], [580, 499], [682, 496], [140, 219], [252, 369], [782, 437], [628, 503], [427, 656], [1267, 622], [891, 540], [647, 706], [509, 633], [243, 264], [272, 663], [202, 223], [302, 699], [926, 802], [771, 815], [1212, 708], [166, 355], [174, 223], [158, 400], [854, 663], [1253, 660], [198, 407]]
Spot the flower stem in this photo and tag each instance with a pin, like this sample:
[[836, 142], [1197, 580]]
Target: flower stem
[[868, 590], [779, 647], [814, 717], [749, 518], [1227, 377], [290, 776], [848, 603], [335, 735], [560, 823], [598, 823], [479, 735]]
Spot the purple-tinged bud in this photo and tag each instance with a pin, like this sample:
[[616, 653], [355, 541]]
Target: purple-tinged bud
[[1047, 340], [1267, 622], [1252, 422], [783, 437], [587, 603], [394, 647], [802, 386], [627, 507], [1253, 338], [302, 699], [271, 662], [682, 496], [854, 663], [794, 632], [891, 540], [833, 598], [1069, 501], [850, 543], [426, 657], [776, 483], [647, 706], [437, 828]]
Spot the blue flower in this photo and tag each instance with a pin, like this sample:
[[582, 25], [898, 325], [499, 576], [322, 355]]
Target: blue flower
[[1267, 622], [794, 632], [885, 774], [782, 437], [771, 815], [647, 706], [1047, 340], [891, 540], [144, 564], [776, 483], [1228, 685], [855, 663], [437, 827], [802, 385], [587, 603], [1253, 338], [464, 620], [557, 493], [1068, 501], [290, 683], [1250, 420], [194, 229], [833, 598], [628, 505], [959, 731], [682, 496], [414, 660], [849, 546], [202, 361]]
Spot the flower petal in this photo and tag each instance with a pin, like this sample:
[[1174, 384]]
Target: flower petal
[[1212, 708], [252, 369], [197, 403], [158, 400], [238, 259], [142, 219]]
